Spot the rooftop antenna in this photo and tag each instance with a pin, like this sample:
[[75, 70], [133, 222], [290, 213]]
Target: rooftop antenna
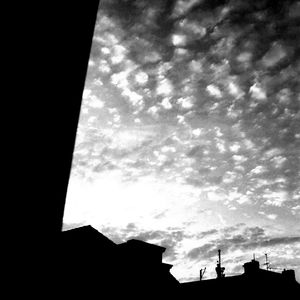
[[202, 271], [220, 270], [253, 256], [267, 263]]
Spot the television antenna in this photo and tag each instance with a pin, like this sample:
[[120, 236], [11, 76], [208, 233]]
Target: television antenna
[[202, 271], [267, 263], [220, 270]]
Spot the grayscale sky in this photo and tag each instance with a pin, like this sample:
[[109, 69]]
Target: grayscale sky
[[189, 132]]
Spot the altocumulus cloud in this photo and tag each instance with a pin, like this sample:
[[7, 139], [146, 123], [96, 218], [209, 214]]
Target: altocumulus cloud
[[187, 97], [250, 238]]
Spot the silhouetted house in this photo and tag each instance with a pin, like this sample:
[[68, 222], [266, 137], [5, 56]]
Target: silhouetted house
[[92, 264], [253, 283], [271, 283], [143, 262], [85, 260]]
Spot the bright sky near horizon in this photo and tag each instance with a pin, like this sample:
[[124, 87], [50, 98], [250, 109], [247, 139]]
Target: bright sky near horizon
[[189, 132]]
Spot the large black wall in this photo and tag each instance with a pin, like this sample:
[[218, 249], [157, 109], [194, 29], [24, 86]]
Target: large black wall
[[48, 50]]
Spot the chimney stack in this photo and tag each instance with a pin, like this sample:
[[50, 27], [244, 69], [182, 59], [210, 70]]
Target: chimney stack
[[250, 268], [289, 275]]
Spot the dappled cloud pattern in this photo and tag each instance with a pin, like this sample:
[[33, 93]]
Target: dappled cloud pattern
[[203, 95]]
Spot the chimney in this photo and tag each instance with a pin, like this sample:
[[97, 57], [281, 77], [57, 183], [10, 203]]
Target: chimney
[[289, 275], [251, 268]]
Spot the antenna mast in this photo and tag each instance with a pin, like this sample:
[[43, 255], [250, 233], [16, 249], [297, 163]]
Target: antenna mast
[[220, 270], [267, 263], [202, 271]]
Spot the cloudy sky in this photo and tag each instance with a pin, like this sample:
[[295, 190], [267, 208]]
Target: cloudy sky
[[189, 132]]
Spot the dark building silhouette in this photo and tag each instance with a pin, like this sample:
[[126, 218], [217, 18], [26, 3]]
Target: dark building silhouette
[[146, 259], [254, 283], [85, 262], [56, 39], [91, 265]]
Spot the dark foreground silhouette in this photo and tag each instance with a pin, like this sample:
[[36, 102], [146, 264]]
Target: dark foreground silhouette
[[84, 264], [254, 283], [91, 266]]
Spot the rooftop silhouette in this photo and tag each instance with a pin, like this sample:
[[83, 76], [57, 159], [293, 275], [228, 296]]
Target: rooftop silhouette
[[92, 264]]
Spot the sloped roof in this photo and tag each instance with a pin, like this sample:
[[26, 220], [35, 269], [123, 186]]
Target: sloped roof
[[143, 245], [87, 233]]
